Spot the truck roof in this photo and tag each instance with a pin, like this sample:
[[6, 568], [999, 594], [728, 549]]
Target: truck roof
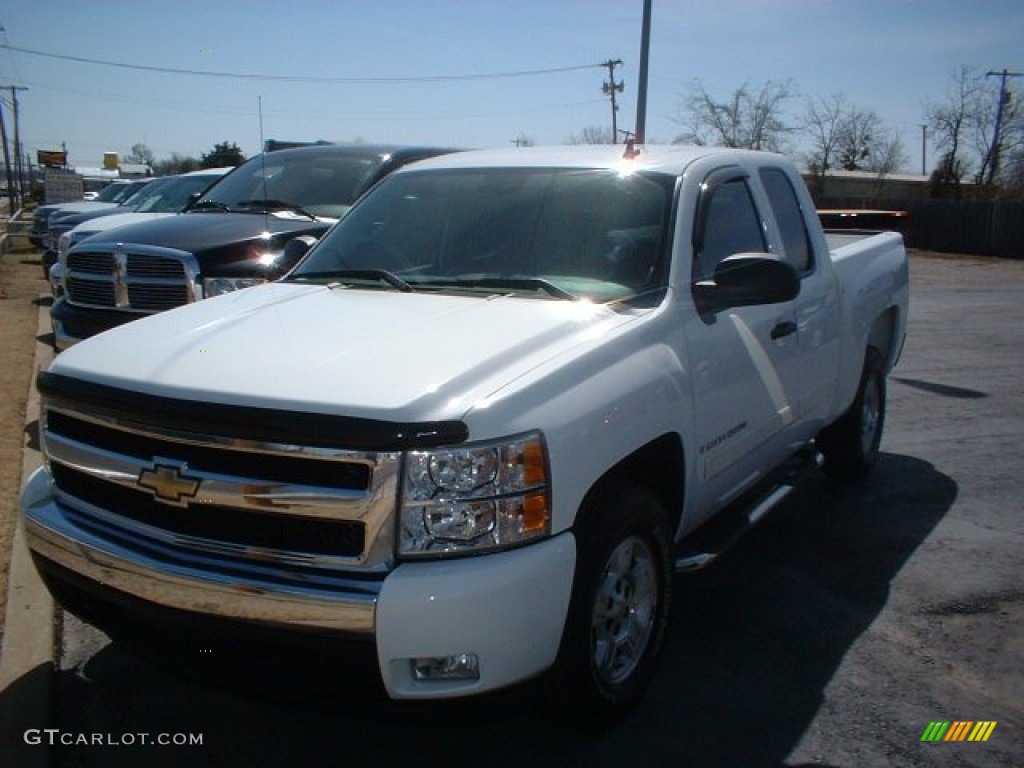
[[671, 159]]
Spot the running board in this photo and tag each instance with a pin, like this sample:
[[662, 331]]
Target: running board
[[709, 542]]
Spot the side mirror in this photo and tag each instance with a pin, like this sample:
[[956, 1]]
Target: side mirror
[[747, 279], [295, 249]]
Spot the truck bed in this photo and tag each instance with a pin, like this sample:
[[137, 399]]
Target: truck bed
[[839, 238]]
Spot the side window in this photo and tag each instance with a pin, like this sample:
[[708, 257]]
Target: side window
[[795, 239], [730, 225]]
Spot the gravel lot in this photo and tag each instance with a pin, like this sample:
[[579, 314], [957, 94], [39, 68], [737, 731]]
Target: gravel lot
[[833, 635]]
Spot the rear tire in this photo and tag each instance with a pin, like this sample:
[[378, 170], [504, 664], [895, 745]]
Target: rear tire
[[620, 604], [850, 445]]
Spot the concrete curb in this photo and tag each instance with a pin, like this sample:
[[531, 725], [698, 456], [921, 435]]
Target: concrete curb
[[28, 654]]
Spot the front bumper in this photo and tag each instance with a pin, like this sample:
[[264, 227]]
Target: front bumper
[[72, 324], [507, 609]]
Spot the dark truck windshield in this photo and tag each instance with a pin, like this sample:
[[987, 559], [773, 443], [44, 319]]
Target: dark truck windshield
[[170, 195], [554, 233], [308, 184]]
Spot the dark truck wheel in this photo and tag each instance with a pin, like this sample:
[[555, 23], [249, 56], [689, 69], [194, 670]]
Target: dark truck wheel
[[850, 445], [620, 604]]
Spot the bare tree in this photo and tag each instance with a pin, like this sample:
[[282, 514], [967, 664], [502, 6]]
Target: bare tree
[[176, 163], [140, 154], [857, 138], [1013, 177], [592, 134], [821, 120], [864, 143], [746, 119], [949, 122], [888, 154]]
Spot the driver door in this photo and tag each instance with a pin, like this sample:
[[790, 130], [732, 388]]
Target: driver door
[[742, 359]]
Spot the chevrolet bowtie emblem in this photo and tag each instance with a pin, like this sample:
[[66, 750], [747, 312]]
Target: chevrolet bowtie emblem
[[167, 482]]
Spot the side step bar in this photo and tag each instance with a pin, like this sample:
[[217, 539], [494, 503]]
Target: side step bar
[[713, 539]]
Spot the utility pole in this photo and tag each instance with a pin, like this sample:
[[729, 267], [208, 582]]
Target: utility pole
[[1004, 98], [641, 98], [7, 161], [17, 143], [610, 89]]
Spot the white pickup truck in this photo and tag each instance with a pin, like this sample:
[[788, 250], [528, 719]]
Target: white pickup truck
[[481, 423]]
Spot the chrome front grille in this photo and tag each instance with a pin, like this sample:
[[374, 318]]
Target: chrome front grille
[[131, 277], [244, 503]]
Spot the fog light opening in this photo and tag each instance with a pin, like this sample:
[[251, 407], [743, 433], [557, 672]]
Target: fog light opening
[[462, 666]]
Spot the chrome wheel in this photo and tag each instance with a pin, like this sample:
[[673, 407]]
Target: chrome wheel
[[850, 444], [870, 415], [624, 610]]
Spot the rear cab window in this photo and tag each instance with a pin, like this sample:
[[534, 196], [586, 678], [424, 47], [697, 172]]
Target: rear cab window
[[789, 216]]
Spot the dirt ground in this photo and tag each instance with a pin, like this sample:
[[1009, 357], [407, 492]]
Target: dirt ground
[[21, 283]]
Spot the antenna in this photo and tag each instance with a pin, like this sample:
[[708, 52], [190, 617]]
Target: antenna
[[263, 167]]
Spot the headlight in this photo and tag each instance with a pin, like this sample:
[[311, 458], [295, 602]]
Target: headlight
[[70, 239], [215, 286], [63, 246], [475, 498], [53, 236]]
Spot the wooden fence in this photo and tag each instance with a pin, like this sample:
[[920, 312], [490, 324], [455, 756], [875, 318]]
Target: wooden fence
[[980, 227]]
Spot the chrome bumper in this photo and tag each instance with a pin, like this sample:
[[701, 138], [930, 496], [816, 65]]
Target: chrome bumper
[[326, 601]]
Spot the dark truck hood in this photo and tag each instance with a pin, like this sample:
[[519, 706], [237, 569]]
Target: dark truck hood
[[215, 238], [74, 219]]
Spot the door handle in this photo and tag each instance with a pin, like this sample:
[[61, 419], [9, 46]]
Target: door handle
[[783, 329]]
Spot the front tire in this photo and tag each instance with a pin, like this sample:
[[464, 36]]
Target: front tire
[[620, 604], [850, 445]]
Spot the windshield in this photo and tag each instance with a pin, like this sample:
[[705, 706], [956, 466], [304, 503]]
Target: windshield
[[114, 193], [131, 193], [556, 233], [305, 183], [169, 195]]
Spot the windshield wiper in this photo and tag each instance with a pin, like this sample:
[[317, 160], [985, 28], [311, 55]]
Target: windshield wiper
[[511, 283], [275, 205], [380, 275]]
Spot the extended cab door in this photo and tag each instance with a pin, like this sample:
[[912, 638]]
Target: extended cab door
[[818, 313], [743, 359]]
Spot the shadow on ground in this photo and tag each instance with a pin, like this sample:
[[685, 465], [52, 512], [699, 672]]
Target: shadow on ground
[[754, 642]]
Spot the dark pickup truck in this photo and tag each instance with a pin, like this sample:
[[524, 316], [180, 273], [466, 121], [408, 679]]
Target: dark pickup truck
[[236, 236]]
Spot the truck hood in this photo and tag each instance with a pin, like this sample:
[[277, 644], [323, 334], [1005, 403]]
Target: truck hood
[[209, 231], [83, 206], [363, 353], [104, 223]]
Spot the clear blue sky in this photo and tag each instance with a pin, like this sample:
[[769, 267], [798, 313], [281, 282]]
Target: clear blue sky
[[891, 56]]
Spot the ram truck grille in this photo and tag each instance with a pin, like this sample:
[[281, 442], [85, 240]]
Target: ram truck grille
[[131, 278]]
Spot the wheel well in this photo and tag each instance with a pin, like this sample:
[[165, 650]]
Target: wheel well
[[883, 335], [659, 466]]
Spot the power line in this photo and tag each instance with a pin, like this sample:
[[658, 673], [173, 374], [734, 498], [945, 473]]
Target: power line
[[302, 78]]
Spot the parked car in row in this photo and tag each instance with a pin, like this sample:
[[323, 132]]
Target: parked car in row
[[111, 196], [236, 236], [163, 197]]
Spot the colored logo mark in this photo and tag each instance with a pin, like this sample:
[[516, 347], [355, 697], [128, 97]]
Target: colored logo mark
[[959, 730]]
